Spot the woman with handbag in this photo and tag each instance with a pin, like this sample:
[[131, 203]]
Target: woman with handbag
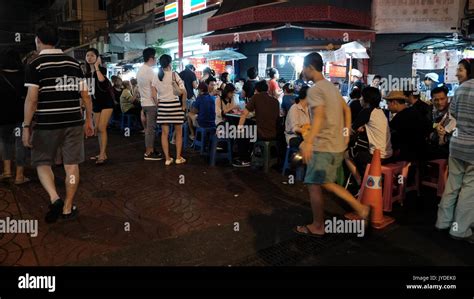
[[168, 87], [102, 101]]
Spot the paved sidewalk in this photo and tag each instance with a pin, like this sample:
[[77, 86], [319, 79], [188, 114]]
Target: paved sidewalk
[[196, 223]]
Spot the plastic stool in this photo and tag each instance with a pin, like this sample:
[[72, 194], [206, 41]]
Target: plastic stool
[[438, 183], [185, 135], [300, 171], [265, 159], [389, 172], [126, 121], [215, 154], [201, 139]]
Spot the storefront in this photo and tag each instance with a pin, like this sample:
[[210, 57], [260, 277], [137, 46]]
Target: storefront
[[289, 32]]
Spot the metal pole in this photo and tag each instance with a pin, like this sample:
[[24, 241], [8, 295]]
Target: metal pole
[[350, 77], [180, 31]]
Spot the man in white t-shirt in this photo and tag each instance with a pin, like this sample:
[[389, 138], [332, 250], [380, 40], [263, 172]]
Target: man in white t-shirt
[[145, 78], [324, 146]]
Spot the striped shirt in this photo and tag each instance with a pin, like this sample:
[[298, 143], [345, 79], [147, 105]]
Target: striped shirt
[[58, 78], [462, 108]]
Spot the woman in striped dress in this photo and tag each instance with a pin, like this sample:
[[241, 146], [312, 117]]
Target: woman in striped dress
[[170, 109]]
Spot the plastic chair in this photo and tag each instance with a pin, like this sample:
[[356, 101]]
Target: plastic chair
[[219, 155], [438, 182], [201, 138], [266, 158]]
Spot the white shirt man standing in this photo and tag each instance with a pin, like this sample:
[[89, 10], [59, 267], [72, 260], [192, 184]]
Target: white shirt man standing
[[149, 104]]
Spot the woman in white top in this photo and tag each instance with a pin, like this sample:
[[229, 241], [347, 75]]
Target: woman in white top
[[298, 116], [170, 110], [225, 103], [373, 132]]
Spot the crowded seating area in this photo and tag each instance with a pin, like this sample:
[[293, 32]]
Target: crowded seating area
[[269, 124]]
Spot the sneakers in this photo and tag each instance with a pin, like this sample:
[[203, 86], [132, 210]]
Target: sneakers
[[180, 161], [153, 157], [240, 164], [55, 210], [169, 162]]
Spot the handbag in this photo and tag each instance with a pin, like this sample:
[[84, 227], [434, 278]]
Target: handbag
[[177, 91]]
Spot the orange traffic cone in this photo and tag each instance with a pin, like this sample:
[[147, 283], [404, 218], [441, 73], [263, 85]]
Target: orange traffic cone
[[372, 194]]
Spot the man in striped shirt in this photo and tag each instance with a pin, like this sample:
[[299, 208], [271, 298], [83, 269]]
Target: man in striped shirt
[[456, 209], [55, 87]]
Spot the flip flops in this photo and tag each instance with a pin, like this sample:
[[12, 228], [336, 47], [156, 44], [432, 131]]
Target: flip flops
[[307, 233]]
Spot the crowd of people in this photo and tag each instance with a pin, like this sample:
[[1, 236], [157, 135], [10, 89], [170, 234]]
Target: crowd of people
[[309, 115]]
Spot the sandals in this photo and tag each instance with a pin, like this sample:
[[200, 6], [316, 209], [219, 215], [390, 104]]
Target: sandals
[[100, 162], [4, 176], [72, 215], [307, 233], [180, 161], [24, 181], [169, 162]]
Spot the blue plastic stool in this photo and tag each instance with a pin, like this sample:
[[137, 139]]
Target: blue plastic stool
[[266, 150], [127, 121], [215, 154], [185, 135], [201, 139], [300, 171]]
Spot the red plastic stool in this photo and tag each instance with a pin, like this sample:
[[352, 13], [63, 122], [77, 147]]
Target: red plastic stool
[[393, 190], [439, 182]]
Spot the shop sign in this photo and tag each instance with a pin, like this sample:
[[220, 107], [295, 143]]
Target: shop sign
[[189, 6], [416, 16]]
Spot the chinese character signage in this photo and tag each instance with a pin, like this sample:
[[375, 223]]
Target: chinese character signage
[[416, 16]]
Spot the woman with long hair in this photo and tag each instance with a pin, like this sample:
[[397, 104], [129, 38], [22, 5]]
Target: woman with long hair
[[103, 103], [168, 87], [225, 103]]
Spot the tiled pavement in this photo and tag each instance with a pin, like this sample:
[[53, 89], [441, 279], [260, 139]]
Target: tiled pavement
[[195, 223]]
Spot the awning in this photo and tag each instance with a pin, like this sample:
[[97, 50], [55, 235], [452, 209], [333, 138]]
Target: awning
[[225, 55], [339, 34], [284, 12], [355, 50], [434, 43], [237, 37]]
